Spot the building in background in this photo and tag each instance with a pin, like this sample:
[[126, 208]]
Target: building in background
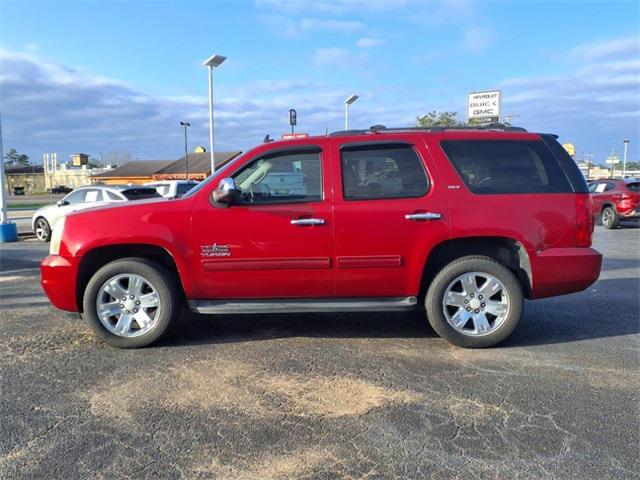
[[136, 172], [199, 166]]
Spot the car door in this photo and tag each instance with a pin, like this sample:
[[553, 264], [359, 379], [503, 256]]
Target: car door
[[275, 241], [601, 194], [389, 209]]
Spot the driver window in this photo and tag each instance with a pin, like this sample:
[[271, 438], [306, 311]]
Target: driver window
[[281, 178]]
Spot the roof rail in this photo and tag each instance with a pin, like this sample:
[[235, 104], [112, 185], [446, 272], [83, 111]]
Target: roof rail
[[382, 129]]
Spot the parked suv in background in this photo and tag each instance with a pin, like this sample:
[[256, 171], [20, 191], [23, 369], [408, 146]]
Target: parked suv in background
[[465, 223], [616, 200], [85, 197]]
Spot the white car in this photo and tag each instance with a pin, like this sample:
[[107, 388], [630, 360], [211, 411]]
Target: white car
[[172, 188], [44, 218]]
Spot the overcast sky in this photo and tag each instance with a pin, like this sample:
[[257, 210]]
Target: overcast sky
[[119, 76]]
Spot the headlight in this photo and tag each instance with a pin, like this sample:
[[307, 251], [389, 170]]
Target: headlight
[[56, 237]]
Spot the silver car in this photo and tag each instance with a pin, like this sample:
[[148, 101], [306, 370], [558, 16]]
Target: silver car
[[44, 218]]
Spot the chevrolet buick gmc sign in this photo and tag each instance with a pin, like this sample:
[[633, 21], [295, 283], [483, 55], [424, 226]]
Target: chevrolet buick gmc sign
[[483, 107]]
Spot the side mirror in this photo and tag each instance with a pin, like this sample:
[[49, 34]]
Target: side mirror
[[226, 192], [61, 203]]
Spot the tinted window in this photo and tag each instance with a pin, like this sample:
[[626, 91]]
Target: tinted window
[[506, 166], [634, 187], [378, 172], [286, 177], [140, 193], [183, 188], [75, 197]]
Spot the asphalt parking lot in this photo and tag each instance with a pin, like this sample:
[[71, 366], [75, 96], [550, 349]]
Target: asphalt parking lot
[[325, 396]]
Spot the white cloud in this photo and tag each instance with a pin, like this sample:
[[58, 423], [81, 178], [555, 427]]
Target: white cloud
[[369, 42], [331, 25], [338, 57], [477, 39], [603, 49], [49, 107], [594, 106]]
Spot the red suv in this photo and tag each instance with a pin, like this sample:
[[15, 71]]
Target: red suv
[[462, 223], [616, 200]]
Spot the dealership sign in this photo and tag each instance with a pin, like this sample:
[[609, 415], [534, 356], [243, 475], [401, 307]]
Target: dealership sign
[[484, 107]]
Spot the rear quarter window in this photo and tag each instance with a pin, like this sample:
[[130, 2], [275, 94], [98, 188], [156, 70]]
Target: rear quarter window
[[506, 166]]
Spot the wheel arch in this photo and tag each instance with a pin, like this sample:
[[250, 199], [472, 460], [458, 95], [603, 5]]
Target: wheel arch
[[608, 204], [97, 257], [507, 251]]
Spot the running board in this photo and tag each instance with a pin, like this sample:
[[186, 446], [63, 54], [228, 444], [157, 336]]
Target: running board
[[303, 305]]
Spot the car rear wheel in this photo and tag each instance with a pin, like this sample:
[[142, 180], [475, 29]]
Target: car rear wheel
[[42, 230], [609, 218], [474, 302], [131, 303]]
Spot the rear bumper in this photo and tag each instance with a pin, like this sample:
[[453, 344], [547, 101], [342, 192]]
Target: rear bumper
[[558, 271], [58, 279]]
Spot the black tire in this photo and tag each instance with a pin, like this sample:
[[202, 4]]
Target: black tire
[[610, 218], [45, 235], [166, 288], [479, 264]]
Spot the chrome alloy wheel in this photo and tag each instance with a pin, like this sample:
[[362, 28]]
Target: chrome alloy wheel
[[42, 230], [128, 305], [476, 304], [608, 217]]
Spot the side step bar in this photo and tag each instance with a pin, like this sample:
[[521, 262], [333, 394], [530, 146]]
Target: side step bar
[[303, 305]]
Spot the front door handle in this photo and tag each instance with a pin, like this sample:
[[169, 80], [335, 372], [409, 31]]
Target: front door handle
[[423, 216], [301, 222]]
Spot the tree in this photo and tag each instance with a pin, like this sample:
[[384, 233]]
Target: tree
[[117, 158], [438, 119], [12, 157]]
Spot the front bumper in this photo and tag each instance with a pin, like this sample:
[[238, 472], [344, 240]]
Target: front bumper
[[558, 271], [58, 279]]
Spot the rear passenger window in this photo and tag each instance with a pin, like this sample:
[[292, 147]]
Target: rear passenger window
[[382, 172], [506, 166]]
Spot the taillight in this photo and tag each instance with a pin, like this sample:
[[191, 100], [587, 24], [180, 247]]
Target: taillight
[[584, 219]]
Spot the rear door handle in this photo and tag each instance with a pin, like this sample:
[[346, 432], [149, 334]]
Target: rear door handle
[[301, 222], [423, 216]]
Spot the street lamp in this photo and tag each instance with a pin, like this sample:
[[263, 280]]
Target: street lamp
[[186, 150], [212, 62], [624, 161], [348, 102]]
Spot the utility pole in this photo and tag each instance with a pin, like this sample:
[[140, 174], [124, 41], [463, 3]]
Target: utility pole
[[588, 156], [624, 162], [612, 158], [186, 149]]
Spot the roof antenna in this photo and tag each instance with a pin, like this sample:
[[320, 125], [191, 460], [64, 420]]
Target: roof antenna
[[326, 131], [267, 139]]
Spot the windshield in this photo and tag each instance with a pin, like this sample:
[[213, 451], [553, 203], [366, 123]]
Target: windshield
[[217, 173]]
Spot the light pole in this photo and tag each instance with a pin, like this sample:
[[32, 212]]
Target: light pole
[[8, 230], [186, 149], [212, 62], [348, 102], [624, 161]]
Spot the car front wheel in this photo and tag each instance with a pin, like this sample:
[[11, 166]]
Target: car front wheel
[[131, 303], [474, 302], [42, 230]]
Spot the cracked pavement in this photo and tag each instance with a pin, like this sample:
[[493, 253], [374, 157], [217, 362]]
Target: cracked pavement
[[314, 396]]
